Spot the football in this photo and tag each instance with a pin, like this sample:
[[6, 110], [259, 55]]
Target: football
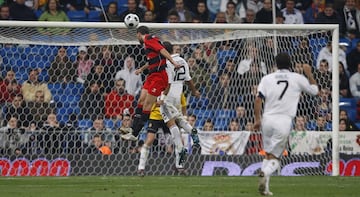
[[131, 20]]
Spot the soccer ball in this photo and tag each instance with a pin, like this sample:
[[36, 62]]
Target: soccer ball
[[131, 20]]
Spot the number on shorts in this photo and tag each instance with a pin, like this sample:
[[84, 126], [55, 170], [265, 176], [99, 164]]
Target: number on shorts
[[285, 88]]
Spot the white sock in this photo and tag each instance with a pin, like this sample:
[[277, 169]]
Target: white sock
[[185, 125], [177, 159], [271, 166], [144, 153], [175, 133], [264, 163]]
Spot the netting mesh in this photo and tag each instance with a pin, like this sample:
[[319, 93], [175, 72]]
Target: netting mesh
[[67, 95]]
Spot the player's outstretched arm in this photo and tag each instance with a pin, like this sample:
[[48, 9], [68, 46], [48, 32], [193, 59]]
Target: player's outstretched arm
[[141, 69], [194, 91], [257, 111], [167, 55], [309, 74]]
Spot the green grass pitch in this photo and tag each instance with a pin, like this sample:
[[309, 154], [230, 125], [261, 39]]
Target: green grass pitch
[[161, 186]]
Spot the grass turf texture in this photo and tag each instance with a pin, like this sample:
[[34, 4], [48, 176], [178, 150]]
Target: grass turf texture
[[152, 186]]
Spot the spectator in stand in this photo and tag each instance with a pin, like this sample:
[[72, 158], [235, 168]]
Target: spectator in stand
[[61, 69], [97, 74], [249, 126], [133, 7], [249, 16], [40, 109], [220, 17], [125, 129], [326, 53], [324, 102], [231, 16], [350, 125], [300, 123], [99, 129], [208, 125], [199, 75], [118, 101], [291, 14], [344, 82], [11, 137], [133, 81], [149, 17], [32, 85], [79, 5], [321, 124], [328, 16], [192, 120], [280, 19], [5, 12], [19, 11], [353, 59], [9, 88], [92, 101], [98, 146], [303, 53], [52, 137], [234, 125], [185, 16], [241, 117], [323, 75], [53, 12], [107, 59], [348, 15], [83, 64], [18, 108], [202, 12], [222, 95], [354, 83], [265, 14], [111, 13], [312, 12]]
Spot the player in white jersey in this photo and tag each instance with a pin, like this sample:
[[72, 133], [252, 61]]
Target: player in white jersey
[[171, 105], [281, 92]]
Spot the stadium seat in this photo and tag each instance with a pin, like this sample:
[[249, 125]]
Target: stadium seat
[[203, 113], [93, 16], [198, 103], [61, 38], [225, 113], [79, 16], [108, 123], [55, 87], [84, 124], [221, 124]]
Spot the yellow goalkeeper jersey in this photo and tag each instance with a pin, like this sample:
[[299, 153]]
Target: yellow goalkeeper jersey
[[155, 110]]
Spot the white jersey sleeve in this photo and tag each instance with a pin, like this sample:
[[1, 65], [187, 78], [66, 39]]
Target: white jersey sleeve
[[281, 91]]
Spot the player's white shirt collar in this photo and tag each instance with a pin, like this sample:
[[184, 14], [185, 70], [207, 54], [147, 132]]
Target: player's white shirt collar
[[283, 71], [175, 55]]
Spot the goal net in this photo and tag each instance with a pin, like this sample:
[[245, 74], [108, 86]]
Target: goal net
[[66, 120]]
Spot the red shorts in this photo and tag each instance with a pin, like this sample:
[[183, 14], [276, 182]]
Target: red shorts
[[156, 82]]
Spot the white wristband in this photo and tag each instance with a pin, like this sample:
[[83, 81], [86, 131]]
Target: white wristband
[[162, 97]]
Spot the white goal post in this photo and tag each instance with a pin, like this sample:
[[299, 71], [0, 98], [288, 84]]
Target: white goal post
[[82, 34]]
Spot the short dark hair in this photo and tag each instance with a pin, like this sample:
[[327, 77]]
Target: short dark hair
[[283, 61], [168, 46], [143, 30]]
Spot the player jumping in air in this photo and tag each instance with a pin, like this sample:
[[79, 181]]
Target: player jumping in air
[[281, 92], [157, 79]]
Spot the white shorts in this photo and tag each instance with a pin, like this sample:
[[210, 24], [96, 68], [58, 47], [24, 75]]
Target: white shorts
[[169, 111], [275, 133]]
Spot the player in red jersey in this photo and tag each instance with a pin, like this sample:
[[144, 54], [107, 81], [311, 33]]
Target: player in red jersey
[[157, 79]]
